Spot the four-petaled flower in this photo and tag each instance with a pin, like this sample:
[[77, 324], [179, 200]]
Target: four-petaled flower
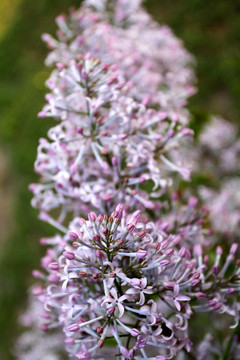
[[115, 301], [139, 287], [177, 298]]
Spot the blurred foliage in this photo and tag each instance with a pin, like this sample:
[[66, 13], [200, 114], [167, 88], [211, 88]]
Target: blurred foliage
[[7, 13], [210, 30]]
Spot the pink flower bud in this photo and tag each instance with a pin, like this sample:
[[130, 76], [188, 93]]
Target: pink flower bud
[[217, 306], [96, 238], [73, 328], [141, 254], [134, 332], [169, 252], [53, 266], [194, 282], [100, 218], [100, 343], [164, 244], [69, 255], [122, 136], [164, 262], [99, 330], [53, 278], [130, 227], [170, 134], [219, 250], [92, 216], [69, 341], [182, 252], [142, 234], [37, 274], [197, 250], [135, 217], [201, 295], [233, 249], [82, 221], [170, 285], [114, 161], [111, 310], [99, 254], [73, 236]]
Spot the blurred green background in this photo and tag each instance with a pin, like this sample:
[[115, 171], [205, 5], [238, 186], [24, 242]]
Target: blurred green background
[[210, 31]]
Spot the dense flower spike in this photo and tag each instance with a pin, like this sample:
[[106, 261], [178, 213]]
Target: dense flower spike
[[106, 145], [156, 63], [123, 280], [128, 279]]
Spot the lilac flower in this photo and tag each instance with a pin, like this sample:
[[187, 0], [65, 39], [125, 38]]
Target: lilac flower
[[130, 275], [176, 298]]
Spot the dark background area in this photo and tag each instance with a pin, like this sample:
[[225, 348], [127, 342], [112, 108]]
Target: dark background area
[[209, 30]]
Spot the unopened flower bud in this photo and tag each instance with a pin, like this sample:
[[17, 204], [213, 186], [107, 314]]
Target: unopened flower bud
[[73, 328], [142, 234], [114, 161], [100, 343], [73, 236], [164, 262], [69, 341], [92, 216], [130, 227], [134, 332], [99, 330], [99, 254], [53, 266], [111, 310], [37, 274], [141, 254], [69, 255], [233, 249], [82, 221], [169, 252]]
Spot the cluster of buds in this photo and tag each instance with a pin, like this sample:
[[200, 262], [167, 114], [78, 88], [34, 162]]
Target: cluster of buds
[[156, 62], [123, 281], [106, 145]]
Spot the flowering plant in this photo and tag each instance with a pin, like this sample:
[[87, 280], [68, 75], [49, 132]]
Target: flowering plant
[[135, 260]]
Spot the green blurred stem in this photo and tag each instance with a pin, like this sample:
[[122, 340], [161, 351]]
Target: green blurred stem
[[229, 344]]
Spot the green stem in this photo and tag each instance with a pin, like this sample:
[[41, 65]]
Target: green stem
[[227, 350]]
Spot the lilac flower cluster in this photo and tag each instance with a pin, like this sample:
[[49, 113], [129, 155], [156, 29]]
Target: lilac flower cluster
[[216, 158], [156, 62], [106, 144], [118, 278], [132, 263]]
